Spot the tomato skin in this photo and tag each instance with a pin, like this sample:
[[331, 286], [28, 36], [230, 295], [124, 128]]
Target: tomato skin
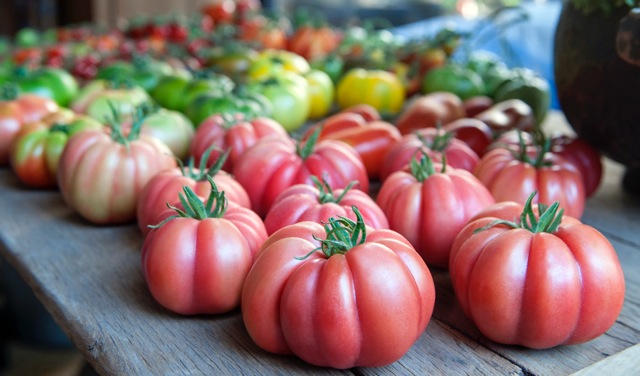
[[102, 179], [427, 111], [417, 209], [37, 147], [198, 266], [321, 93], [35, 107], [510, 179], [582, 155], [165, 186], [457, 153], [372, 142], [380, 89], [302, 202], [369, 304], [11, 120], [565, 272], [312, 42], [236, 137], [272, 164], [172, 128], [473, 132]]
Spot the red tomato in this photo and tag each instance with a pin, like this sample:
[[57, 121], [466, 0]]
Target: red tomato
[[430, 205], [313, 42], [37, 147], [197, 264], [303, 202], [372, 142], [582, 155], [475, 133], [11, 120], [220, 11], [35, 107], [561, 284], [511, 174], [368, 112], [235, 135], [273, 164], [432, 141], [165, 186], [101, 175], [269, 34], [429, 111], [355, 302]]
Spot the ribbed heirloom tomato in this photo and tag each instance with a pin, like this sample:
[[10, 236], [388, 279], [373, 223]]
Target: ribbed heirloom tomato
[[233, 133], [165, 186], [101, 175], [432, 141], [536, 278], [340, 295], [196, 260], [430, 204], [303, 202], [511, 173], [273, 164]]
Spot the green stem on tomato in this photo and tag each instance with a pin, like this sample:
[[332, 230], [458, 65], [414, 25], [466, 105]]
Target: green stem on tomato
[[550, 217], [305, 149], [326, 194], [342, 234], [215, 206]]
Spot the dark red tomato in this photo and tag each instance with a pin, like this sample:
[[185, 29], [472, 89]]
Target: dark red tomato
[[432, 142], [475, 133], [313, 42], [587, 159], [429, 111]]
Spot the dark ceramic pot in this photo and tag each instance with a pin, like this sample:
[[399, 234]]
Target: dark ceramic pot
[[597, 74]]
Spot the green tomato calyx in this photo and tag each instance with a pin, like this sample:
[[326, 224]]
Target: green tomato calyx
[[550, 217], [342, 235], [215, 206], [422, 168], [202, 173], [326, 194]]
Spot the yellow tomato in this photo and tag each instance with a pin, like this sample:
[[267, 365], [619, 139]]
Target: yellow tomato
[[321, 93], [272, 62], [380, 89]]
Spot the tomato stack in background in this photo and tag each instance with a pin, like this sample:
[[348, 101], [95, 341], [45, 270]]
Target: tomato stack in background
[[273, 162]]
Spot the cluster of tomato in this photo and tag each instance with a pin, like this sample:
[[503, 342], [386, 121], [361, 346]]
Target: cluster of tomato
[[242, 206]]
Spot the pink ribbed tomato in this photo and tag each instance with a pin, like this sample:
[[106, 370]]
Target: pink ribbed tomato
[[340, 295], [537, 279]]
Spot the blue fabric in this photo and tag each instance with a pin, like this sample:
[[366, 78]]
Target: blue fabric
[[528, 43]]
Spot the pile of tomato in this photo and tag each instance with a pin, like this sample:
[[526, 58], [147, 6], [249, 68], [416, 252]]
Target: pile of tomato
[[296, 171]]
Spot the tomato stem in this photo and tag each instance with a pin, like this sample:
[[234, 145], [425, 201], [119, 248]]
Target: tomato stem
[[194, 208], [423, 168], [326, 193], [550, 217], [342, 234], [305, 149]]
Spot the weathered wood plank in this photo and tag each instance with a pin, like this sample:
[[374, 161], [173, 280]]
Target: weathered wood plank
[[626, 362]]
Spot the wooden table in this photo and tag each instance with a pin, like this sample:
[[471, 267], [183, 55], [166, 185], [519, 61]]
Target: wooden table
[[89, 278]]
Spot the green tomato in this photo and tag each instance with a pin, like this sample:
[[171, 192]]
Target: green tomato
[[27, 37], [455, 79], [172, 128], [169, 92], [288, 94], [529, 87], [123, 101]]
